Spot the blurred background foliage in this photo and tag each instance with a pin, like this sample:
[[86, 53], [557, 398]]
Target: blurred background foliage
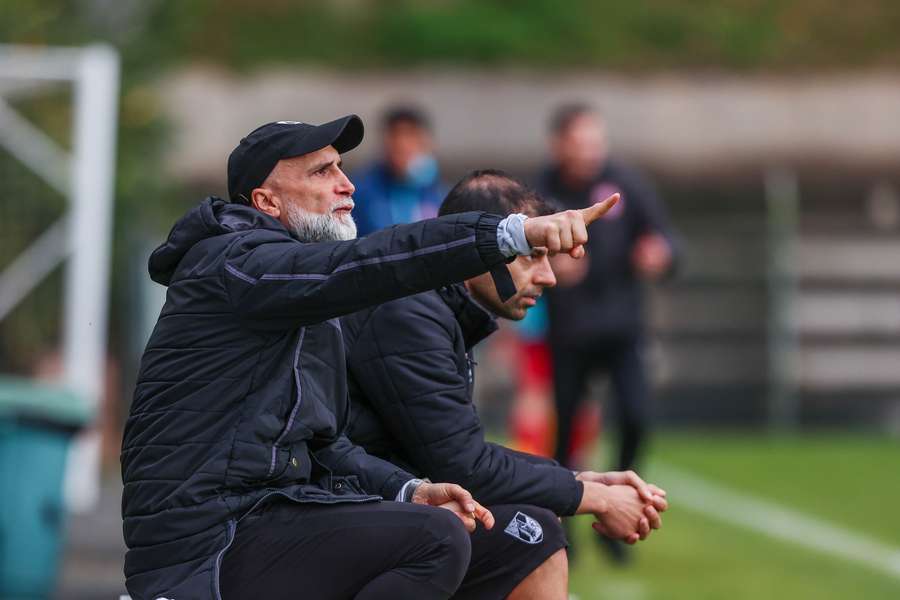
[[637, 35]]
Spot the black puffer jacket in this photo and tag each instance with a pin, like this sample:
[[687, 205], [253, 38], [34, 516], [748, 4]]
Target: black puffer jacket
[[411, 381], [242, 387]]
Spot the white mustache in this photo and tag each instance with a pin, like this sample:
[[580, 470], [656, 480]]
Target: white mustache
[[349, 205]]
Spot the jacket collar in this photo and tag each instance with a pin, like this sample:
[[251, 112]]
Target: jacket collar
[[474, 320]]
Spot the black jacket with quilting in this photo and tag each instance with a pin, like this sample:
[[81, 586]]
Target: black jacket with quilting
[[411, 381], [242, 388]]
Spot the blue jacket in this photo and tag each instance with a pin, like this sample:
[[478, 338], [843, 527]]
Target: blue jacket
[[382, 200], [411, 382], [242, 390]]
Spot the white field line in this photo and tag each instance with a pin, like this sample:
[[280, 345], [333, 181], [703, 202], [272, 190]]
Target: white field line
[[622, 590], [618, 589], [774, 520]]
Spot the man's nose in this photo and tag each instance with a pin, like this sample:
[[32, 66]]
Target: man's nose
[[345, 186], [543, 274]]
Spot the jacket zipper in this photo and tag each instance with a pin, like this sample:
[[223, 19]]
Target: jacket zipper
[[296, 407]]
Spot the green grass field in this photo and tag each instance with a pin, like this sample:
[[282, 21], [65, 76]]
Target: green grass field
[[850, 481]]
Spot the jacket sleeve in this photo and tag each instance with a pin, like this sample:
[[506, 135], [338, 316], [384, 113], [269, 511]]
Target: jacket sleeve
[[408, 370], [377, 476], [532, 458], [275, 282]]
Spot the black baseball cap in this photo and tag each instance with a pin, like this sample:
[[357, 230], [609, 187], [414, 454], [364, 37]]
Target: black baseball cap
[[254, 158]]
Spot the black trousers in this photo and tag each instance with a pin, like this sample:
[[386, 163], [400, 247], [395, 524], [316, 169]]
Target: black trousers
[[367, 551], [622, 358]]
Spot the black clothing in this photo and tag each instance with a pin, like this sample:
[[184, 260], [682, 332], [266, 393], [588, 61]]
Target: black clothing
[[599, 322], [384, 550], [610, 300], [623, 359], [411, 382], [371, 551], [508, 553], [242, 388]]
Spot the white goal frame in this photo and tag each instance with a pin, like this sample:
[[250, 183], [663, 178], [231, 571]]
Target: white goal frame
[[82, 236]]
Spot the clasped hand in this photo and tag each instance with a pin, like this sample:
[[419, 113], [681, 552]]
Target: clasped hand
[[625, 506]]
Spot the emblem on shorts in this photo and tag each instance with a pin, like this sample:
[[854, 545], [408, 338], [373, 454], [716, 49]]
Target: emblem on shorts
[[525, 529]]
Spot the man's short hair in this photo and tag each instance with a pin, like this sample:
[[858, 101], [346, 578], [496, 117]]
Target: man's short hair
[[496, 192], [405, 113], [563, 117]]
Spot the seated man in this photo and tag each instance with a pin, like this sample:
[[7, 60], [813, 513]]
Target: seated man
[[411, 380], [238, 479]]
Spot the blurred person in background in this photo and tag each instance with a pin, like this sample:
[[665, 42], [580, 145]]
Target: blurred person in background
[[403, 185], [411, 383], [596, 316]]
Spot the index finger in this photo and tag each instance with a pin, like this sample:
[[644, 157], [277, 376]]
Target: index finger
[[592, 213]]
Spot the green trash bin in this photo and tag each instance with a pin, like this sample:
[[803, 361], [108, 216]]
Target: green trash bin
[[37, 422]]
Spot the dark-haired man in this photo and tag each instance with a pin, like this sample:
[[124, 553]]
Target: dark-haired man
[[404, 184], [238, 479], [411, 381]]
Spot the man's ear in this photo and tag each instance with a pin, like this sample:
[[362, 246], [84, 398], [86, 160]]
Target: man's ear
[[265, 201]]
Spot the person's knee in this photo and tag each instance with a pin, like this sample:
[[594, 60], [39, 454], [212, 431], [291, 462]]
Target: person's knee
[[549, 581], [557, 566], [452, 550]]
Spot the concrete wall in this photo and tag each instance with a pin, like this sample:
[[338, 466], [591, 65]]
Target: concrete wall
[[685, 124], [710, 138]]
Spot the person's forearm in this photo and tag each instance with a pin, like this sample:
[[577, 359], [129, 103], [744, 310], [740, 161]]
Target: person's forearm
[[498, 476], [309, 283]]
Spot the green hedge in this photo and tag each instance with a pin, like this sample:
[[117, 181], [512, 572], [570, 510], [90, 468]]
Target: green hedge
[[629, 35]]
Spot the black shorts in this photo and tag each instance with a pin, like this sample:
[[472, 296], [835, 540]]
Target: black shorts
[[523, 537]]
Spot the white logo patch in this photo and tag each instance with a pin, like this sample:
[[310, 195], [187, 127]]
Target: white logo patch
[[526, 529], [287, 122]]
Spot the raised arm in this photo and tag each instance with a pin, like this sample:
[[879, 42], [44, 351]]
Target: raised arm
[[274, 281]]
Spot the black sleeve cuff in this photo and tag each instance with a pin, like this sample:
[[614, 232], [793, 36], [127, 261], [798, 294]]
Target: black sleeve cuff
[[578, 493], [489, 250], [393, 483]]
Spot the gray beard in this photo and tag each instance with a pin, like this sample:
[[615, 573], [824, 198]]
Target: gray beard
[[314, 227]]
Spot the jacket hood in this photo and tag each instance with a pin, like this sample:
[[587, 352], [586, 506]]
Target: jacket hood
[[210, 218]]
